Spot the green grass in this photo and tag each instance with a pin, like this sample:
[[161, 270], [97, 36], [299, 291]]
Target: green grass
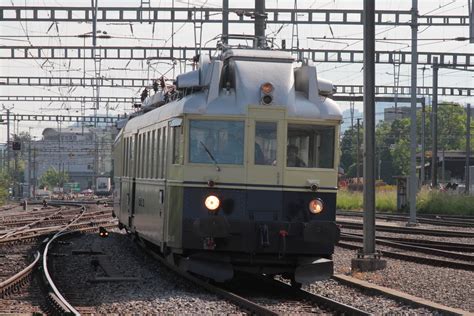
[[444, 203], [428, 202]]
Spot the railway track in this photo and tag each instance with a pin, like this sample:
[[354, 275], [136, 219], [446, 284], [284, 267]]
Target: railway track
[[440, 262], [441, 245], [408, 230], [16, 281], [76, 220], [251, 305], [439, 220]]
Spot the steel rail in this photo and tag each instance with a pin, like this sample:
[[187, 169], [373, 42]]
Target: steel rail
[[420, 218], [438, 309], [49, 280], [86, 227], [442, 245], [333, 305], [234, 298], [430, 261], [16, 230], [6, 285], [41, 232], [417, 248], [408, 230]]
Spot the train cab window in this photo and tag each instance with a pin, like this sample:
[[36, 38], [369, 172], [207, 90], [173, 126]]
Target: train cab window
[[176, 134], [216, 142], [152, 155], [177, 144], [310, 146], [163, 152], [265, 143]]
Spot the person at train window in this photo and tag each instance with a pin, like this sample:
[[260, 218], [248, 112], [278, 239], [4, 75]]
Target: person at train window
[[293, 160], [259, 157], [265, 143]]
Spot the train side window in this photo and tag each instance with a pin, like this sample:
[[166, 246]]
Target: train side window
[[310, 146], [132, 167], [144, 154], [148, 155], [158, 153], [164, 152], [144, 158], [128, 157], [265, 143], [139, 157], [177, 136], [152, 154], [125, 156]]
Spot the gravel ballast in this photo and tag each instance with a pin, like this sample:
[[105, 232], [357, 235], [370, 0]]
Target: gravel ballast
[[157, 291], [450, 287]]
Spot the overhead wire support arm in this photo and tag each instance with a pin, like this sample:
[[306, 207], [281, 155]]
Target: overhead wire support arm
[[61, 118], [129, 100], [186, 53], [212, 15], [117, 82]]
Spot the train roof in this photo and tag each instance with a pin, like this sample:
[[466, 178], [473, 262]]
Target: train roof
[[253, 54], [203, 91]]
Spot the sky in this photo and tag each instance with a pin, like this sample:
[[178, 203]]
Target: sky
[[431, 39]]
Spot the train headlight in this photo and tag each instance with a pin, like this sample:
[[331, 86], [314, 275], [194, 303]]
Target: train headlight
[[103, 232], [266, 93], [212, 202], [267, 88], [316, 206]]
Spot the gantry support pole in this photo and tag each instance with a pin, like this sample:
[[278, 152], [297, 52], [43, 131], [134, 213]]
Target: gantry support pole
[[260, 18], [225, 22], [413, 187], [369, 127], [434, 125], [468, 147], [368, 260]]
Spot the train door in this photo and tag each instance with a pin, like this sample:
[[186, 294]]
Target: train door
[[266, 135], [133, 172]]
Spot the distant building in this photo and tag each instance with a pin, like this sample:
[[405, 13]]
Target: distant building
[[82, 153], [451, 165], [390, 115]]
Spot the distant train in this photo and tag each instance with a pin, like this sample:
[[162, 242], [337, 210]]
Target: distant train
[[103, 186], [235, 168]]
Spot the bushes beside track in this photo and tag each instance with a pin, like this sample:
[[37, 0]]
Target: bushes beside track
[[4, 181], [428, 202]]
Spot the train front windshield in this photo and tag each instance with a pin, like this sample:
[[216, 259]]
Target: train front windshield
[[310, 146], [222, 141]]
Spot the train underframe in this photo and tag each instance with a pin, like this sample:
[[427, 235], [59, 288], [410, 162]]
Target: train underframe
[[216, 248]]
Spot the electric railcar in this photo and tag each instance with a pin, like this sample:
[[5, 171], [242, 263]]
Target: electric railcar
[[236, 170]]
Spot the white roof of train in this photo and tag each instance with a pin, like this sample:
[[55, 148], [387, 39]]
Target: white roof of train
[[297, 88]]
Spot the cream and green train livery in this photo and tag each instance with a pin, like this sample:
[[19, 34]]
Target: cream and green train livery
[[236, 170]]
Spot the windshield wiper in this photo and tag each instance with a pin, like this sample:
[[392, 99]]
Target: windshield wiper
[[211, 156]]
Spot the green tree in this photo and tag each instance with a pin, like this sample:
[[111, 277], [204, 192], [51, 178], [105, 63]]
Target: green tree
[[53, 178], [452, 126], [348, 151], [4, 185], [384, 141]]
